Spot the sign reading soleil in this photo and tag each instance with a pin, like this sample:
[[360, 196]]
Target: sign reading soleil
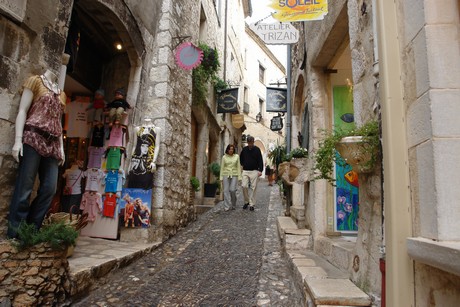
[[299, 10], [276, 33]]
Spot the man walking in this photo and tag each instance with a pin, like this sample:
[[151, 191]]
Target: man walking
[[253, 165]]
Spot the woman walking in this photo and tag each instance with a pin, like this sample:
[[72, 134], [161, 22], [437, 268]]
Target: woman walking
[[230, 174]]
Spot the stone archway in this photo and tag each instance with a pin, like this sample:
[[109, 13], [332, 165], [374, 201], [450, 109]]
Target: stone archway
[[101, 27]]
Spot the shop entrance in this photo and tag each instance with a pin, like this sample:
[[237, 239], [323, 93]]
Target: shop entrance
[[95, 138]]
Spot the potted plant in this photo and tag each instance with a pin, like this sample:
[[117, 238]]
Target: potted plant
[[297, 153], [277, 155], [195, 183], [210, 189], [362, 157]]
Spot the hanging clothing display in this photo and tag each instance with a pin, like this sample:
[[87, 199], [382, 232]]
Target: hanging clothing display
[[117, 136], [98, 135], [94, 177], [95, 155], [113, 155], [110, 205], [91, 203], [77, 125], [111, 181]]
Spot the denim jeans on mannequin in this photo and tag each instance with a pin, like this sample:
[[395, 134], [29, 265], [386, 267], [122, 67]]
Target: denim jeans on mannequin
[[31, 164]]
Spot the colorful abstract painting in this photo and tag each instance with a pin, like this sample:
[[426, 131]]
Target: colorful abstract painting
[[347, 186]]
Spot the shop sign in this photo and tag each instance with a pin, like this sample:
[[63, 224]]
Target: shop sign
[[237, 120], [14, 8], [276, 33], [276, 124], [276, 99], [188, 56], [227, 101], [299, 10]]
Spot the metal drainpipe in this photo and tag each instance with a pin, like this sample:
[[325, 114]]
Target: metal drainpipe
[[288, 99], [225, 41]]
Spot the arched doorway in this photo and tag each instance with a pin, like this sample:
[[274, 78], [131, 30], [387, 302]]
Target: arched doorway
[[105, 55]]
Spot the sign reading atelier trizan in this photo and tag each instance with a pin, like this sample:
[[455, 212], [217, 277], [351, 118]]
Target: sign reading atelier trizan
[[276, 33], [227, 101]]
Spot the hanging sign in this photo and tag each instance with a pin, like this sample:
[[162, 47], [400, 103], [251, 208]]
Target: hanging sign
[[276, 33], [299, 10], [237, 120], [276, 99], [188, 56], [276, 124], [227, 101]]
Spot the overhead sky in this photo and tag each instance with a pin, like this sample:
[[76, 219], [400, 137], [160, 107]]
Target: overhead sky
[[261, 10]]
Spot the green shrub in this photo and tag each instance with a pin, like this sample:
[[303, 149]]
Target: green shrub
[[298, 152], [277, 155], [58, 235], [195, 183]]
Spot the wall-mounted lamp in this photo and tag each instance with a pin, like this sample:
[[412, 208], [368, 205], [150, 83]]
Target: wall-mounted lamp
[[118, 46], [258, 117]]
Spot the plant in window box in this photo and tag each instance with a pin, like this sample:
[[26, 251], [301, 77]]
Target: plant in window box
[[299, 170], [358, 146]]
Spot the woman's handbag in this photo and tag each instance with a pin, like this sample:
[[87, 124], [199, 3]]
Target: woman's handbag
[[68, 190]]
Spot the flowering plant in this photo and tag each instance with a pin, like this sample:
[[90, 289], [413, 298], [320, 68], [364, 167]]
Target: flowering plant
[[298, 152]]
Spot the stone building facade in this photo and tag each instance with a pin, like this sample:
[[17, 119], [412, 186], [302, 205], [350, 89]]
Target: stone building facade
[[337, 52], [400, 60], [157, 88]]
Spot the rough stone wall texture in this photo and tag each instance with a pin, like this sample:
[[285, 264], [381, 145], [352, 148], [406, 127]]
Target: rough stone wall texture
[[320, 43], [37, 276]]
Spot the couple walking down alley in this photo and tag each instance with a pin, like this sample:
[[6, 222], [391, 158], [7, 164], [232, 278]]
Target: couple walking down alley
[[225, 258]]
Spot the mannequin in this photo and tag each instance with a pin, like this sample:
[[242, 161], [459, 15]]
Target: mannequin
[[73, 177], [38, 148], [144, 156]]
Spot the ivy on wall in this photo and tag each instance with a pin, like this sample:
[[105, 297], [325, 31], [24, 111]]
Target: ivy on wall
[[206, 72]]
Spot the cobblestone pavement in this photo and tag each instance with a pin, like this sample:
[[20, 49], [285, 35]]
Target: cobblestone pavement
[[229, 258]]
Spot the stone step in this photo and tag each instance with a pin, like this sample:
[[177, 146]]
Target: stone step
[[335, 292], [324, 284], [292, 237]]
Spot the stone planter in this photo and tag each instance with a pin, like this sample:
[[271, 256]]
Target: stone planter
[[357, 153], [295, 171]]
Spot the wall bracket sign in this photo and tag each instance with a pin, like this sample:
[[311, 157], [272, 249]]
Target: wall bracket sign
[[188, 56]]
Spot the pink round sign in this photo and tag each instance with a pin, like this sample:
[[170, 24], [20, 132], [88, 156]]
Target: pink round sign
[[188, 56]]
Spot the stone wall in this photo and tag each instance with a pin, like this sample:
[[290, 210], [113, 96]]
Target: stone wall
[[37, 276], [347, 22]]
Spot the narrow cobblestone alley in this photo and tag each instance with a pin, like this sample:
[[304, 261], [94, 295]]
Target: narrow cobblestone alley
[[223, 259]]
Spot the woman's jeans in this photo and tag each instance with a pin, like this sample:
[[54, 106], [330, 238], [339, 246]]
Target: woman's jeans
[[230, 191], [31, 164]]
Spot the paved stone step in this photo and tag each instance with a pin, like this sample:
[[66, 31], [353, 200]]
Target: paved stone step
[[335, 292], [324, 284]]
